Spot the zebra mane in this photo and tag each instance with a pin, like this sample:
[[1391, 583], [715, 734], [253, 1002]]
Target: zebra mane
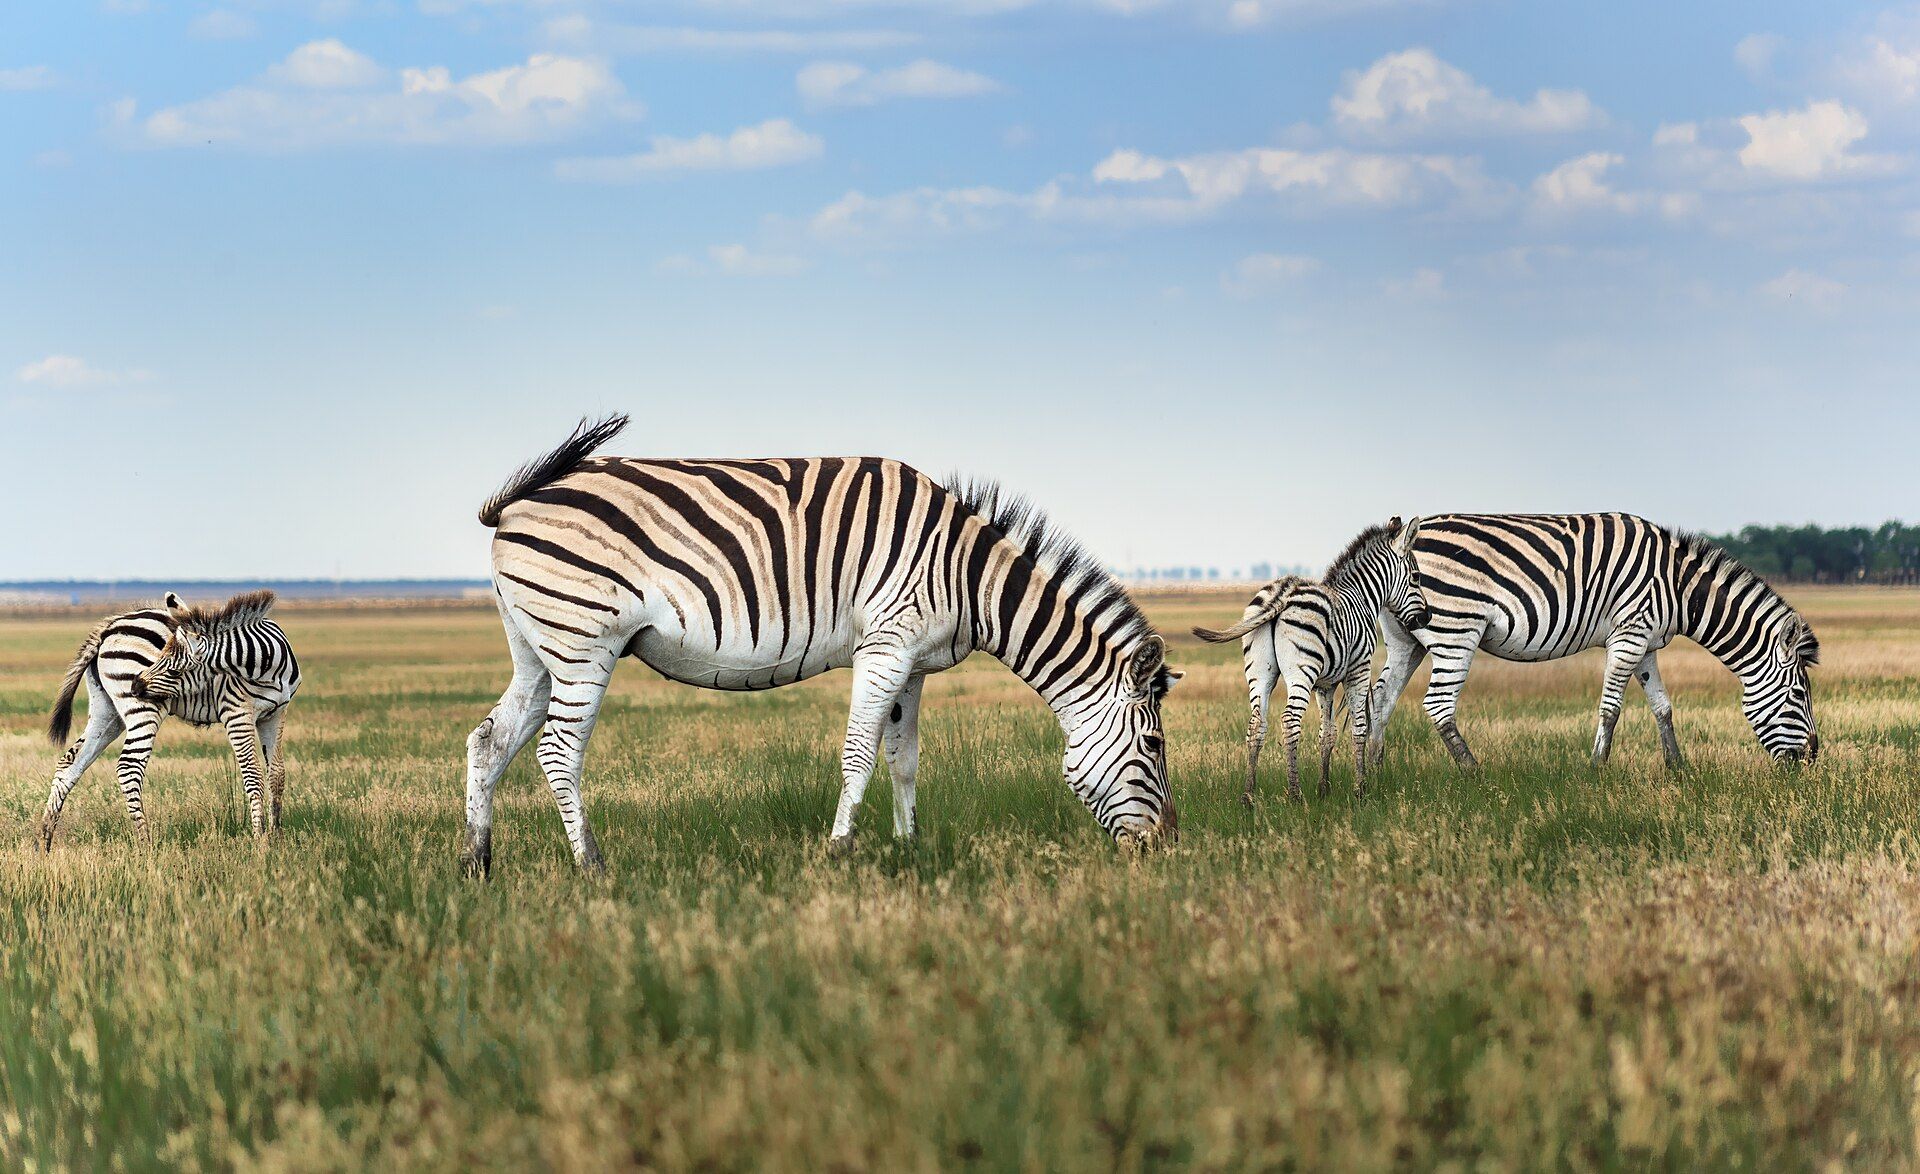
[[1362, 542], [1710, 555], [249, 607], [1022, 523]]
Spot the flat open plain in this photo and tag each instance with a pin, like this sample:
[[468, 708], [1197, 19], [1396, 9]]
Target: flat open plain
[[1535, 964]]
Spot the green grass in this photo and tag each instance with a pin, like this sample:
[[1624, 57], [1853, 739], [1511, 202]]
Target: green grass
[[1537, 964]]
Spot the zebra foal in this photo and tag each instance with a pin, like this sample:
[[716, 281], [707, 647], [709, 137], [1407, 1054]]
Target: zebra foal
[[1317, 637], [754, 574], [230, 665]]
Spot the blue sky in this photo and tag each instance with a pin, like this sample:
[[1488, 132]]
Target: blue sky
[[287, 287]]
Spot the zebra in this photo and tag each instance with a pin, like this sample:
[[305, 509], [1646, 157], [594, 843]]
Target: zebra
[[1534, 587], [229, 664], [1319, 636], [754, 574]]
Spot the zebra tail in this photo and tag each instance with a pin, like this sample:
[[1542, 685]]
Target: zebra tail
[[1265, 615], [537, 474], [61, 723]]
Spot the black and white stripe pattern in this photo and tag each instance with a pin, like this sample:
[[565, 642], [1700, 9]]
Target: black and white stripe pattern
[[753, 574], [230, 665], [1317, 637], [1543, 586]]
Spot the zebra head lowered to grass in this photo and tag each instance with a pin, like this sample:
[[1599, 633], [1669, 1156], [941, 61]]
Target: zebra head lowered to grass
[[1537, 587], [1317, 637], [753, 574], [229, 664]]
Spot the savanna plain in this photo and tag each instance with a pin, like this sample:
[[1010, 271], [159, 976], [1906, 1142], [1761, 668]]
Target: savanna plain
[[1535, 965]]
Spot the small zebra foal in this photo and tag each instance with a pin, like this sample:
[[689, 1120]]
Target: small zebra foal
[[1320, 636], [230, 665]]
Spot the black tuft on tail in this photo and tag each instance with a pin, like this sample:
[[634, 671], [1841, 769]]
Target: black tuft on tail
[[60, 724], [537, 474]]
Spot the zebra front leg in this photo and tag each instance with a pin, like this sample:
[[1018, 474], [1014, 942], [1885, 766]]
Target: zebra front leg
[[1450, 664], [103, 726], [1626, 647], [269, 725], [572, 710], [1648, 671], [900, 740], [1359, 715], [143, 726], [244, 737], [879, 677], [1326, 735], [1404, 654]]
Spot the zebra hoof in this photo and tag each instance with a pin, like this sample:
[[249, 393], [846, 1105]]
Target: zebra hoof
[[840, 847]]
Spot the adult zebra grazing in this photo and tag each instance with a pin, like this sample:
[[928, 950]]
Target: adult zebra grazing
[[230, 665], [752, 574], [1317, 637], [1543, 586]]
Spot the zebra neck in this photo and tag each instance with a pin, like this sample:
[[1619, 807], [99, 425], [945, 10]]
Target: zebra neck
[[1360, 586], [1728, 610], [1063, 654]]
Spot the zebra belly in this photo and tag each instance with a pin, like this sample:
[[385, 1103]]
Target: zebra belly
[[733, 668]]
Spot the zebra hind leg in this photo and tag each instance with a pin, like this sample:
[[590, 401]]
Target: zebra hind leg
[[1326, 741], [103, 726], [494, 743], [1450, 664], [572, 711]]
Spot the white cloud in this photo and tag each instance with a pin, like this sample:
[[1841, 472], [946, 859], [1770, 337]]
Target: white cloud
[[27, 77], [842, 83], [1806, 144], [1307, 178], [1886, 71], [327, 95], [1132, 188], [733, 260], [1756, 52], [1580, 185], [1262, 272], [71, 371], [326, 65], [599, 37], [1414, 93], [222, 24], [774, 143], [1803, 288]]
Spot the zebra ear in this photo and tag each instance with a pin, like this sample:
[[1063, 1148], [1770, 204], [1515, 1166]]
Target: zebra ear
[[1144, 666], [1806, 645], [176, 606], [1403, 541]]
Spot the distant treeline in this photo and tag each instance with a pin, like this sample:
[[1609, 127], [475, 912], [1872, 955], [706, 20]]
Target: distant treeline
[[1888, 553]]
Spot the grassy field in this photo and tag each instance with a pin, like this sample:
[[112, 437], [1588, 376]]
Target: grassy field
[[1534, 965]]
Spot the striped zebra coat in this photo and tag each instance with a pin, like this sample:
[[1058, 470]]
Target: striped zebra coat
[[230, 665], [1535, 587], [1317, 637], [753, 574]]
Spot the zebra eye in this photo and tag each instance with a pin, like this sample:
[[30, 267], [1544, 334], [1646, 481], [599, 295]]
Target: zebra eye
[[1153, 743]]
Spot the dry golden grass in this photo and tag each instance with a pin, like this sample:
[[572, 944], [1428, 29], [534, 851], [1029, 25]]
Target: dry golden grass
[[1537, 964]]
